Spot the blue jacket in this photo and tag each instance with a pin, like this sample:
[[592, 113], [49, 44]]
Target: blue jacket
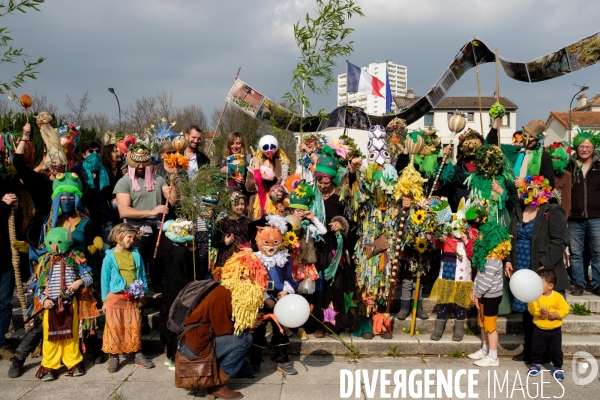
[[112, 281], [282, 279]]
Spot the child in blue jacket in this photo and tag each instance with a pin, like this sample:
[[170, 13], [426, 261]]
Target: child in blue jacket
[[124, 287]]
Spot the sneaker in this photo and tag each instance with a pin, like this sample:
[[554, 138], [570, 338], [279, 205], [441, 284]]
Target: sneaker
[[534, 369], [478, 355], [16, 368], [287, 367], [169, 364], [597, 290], [113, 363], [558, 374], [77, 371], [302, 335], [47, 377], [487, 361], [143, 361]]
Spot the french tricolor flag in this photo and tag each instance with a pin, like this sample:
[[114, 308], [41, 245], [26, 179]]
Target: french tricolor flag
[[360, 81]]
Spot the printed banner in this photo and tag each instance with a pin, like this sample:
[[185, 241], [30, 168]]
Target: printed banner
[[259, 106], [573, 57]]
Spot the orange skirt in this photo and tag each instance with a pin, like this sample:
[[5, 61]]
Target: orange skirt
[[123, 327]]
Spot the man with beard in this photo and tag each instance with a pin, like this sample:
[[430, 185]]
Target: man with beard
[[238, 298], [140, 196], [193, 135]]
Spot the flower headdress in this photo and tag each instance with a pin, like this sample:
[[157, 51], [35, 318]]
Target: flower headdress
[[535, 190], [560, 157]]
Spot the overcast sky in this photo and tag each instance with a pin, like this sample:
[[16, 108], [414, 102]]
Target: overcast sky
[[192, 48]]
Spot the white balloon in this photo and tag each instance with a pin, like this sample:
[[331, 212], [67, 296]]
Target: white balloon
[[526, 285], [292, 310]]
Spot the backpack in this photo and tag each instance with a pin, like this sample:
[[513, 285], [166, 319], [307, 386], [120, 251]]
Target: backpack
[[186, 301]]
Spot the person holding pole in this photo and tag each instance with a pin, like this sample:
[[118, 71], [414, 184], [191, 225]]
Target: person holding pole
[[140, 196]]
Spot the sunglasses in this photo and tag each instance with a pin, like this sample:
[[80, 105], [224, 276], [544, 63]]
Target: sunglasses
[[170, 152], [93, 151], [268, 147]]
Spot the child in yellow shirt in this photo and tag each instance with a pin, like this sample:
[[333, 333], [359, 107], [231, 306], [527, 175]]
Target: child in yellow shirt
[[548, 312]]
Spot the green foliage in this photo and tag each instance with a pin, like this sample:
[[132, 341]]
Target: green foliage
[[471, 330], [203, 194], [394, 351], [580, 309], [321, 41], [11, 53], [457, 354]]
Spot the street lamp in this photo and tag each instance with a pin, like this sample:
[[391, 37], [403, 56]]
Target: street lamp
[[582, 88], [119, 105]]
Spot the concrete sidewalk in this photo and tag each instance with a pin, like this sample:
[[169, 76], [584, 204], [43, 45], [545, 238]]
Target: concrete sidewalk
[[318, 378]]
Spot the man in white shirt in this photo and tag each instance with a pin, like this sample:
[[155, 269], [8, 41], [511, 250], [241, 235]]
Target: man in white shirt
[[193, 135]]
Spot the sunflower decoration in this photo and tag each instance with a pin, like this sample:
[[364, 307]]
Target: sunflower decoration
[[421, 244], [290, 239], [179, 161], [419, 217]]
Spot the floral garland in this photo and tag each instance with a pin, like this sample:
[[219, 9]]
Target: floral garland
[[535, 190], [493, 242], [560, 157]]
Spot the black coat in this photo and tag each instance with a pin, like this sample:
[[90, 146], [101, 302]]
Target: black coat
[[549, 240], [585, 190]]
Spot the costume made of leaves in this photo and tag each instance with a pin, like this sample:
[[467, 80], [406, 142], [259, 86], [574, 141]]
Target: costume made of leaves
[[493, 242], [374, 206]]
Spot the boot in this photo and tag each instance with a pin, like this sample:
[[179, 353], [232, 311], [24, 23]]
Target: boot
[[420, 313], [404, 309], [438, 330], [459, 330], [221, 391]]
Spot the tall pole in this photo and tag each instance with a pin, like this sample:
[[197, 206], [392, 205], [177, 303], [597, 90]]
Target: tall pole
[[118, 105], [581, 89], [498, 92], [212, 139]]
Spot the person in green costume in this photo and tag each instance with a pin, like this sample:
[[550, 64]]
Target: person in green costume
[[530, 159]]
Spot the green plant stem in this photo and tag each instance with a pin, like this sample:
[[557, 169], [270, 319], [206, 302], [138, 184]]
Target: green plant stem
[[349, 346]]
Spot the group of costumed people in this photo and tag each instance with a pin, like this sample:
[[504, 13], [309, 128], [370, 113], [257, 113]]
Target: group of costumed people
[[343, 235]]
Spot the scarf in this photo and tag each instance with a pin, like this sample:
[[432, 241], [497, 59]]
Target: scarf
[[91, 164], [149, 179]]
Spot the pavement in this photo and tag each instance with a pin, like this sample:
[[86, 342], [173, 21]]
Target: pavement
[[318, 378]]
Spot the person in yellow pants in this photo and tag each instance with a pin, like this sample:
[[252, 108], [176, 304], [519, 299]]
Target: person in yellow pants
[[66, 350]]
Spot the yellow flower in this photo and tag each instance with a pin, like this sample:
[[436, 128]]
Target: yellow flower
[[418, 217], [290, 239], [421, 245], [300, 191]]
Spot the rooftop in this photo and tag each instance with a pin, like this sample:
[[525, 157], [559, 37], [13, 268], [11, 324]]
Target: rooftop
[[580, 118], [461, 102]]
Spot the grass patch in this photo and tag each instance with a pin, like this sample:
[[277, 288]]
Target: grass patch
[[457, 354], [471, 330], [580, 309], [394, 351]]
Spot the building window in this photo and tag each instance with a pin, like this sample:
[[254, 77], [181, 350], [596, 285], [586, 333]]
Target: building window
[[428, 119], [505, 120], [470, 117], [450, 114]]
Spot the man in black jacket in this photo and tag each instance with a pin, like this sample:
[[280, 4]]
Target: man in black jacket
[[193, 135], [584, 222]]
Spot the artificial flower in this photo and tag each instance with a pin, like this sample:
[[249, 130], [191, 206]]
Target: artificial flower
[[421, 245], [418, 217], [176, 160]]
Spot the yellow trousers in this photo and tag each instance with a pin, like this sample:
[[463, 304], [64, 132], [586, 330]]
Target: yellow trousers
[[66, 350]]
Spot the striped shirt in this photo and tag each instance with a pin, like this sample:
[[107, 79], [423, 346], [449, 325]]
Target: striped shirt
[[488, 283], [54, 288]]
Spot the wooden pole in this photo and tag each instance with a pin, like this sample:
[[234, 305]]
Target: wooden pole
[[12, 233], [395, 265], [479, 95], [413, 321], [221, 116], [497, 91]]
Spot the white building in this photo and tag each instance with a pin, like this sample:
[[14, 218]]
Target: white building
[[375, 105], [439, 116], [585, 116]]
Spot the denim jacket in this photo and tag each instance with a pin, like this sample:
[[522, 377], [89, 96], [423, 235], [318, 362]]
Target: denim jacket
[[112, 281]]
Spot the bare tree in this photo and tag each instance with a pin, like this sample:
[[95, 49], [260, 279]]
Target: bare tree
[[5, 106], [98, 121], [190, 115], [139, 114], [41, 103], [77, 110], [164, 105]]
